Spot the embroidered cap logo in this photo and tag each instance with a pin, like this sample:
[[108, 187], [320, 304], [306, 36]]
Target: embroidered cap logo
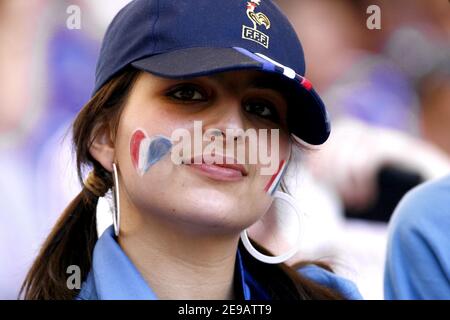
[[258, 19]]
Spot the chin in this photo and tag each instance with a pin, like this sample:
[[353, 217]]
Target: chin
[[217, 216]]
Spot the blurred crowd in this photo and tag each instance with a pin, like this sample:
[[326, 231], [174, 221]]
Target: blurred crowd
[[387, 91], [46, 75]]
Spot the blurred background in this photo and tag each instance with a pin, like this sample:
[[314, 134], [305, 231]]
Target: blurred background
[[387, 90]]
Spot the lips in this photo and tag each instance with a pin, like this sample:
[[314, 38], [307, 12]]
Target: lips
[[146, 151], [235, 167], [225, 171]]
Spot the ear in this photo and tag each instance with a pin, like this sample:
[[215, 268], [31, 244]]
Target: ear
[[102, 149]]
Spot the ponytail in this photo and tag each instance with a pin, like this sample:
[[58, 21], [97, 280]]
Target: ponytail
[[75, 229]]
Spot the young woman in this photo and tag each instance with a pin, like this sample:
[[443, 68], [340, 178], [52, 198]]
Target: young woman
[[166, 66]]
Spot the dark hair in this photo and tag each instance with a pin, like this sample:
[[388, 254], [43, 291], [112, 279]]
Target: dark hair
[[72, 239]]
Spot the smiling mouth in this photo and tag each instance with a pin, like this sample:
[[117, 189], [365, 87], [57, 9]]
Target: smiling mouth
[[220, 171]]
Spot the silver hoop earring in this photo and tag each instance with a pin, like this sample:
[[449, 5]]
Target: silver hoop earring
[[116, 201], [283, 257]]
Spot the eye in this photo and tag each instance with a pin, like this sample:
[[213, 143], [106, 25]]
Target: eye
[[187, 93], [263, 109]]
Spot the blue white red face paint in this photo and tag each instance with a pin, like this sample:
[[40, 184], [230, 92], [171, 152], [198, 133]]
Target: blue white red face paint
[[275, 180], [147, 151]]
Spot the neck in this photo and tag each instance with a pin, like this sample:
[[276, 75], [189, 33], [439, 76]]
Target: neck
[[176, 263]]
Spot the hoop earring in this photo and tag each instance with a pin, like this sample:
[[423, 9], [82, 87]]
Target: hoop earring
[[283, 257], [116, 201]]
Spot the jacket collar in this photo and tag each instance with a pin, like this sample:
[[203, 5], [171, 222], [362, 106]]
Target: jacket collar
[[114, 277]]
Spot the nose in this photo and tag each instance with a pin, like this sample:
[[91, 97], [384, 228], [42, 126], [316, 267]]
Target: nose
[[228, 115]]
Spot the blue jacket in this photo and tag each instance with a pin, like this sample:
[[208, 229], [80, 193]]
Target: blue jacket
[[114, 277], [418, 254]]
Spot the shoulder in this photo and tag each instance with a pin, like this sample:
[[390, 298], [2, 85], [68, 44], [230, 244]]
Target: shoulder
[[88, 290], [423, 211], [417, 259], [427, 195], [328, 279]]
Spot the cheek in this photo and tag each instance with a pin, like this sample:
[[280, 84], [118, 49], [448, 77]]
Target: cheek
[[275, 179], [143, 139], [143, 158], [135, 147], [153, 183], [270, 175], [146, 151]]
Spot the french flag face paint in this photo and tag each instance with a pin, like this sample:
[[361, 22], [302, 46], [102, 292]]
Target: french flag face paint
[[275, 180], [145, 151]]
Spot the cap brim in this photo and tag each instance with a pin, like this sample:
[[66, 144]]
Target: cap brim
[[307, 118]]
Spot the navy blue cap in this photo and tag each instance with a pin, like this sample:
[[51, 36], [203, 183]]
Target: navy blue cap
[[190, 38]]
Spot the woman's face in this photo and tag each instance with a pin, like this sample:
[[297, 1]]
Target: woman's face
[[202, 196]]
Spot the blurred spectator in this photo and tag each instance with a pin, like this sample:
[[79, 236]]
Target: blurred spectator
[[370, 79], [356, 152], [385, 139], [434, 92], [418, 256], [47, 75]]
